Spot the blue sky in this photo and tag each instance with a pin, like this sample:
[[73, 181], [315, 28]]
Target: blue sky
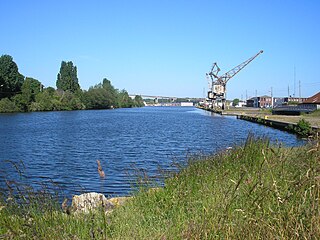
[[166, 47]]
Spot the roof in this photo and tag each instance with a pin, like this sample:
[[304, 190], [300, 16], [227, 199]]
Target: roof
[[315, 99], [265, 96]]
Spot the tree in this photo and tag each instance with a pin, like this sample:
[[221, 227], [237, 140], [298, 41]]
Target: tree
[[95, 98], [101, 96], [7, 106], [111, 92], [67, 79], [124, 100], [235, 102], [10, 78], [68, 101], [30, 88], [44, 101], [138, 101]]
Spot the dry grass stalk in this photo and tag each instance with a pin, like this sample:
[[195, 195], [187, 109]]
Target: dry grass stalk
[[100, 171]]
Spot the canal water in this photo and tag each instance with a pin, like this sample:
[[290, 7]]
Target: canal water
[[61, 148]]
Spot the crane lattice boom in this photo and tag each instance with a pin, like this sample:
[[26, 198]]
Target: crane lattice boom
[[228, 75], [218, 83]]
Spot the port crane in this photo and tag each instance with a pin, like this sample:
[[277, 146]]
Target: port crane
[[217, 86]]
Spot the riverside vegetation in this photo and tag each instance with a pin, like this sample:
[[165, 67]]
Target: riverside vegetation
[[20, 94], [253, 191]]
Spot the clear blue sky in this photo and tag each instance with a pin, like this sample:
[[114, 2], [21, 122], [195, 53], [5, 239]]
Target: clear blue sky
[[166, 47]]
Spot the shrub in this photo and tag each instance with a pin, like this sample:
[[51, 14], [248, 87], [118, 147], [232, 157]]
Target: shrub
[[303, 128], [7, 106]]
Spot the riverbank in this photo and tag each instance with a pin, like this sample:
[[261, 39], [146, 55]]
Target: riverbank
[[252, 191], [265, 117]]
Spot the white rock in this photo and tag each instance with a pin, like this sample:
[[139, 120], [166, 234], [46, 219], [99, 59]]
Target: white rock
[[90, 201]]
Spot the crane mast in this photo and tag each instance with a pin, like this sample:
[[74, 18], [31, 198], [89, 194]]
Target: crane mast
[[217, 92]]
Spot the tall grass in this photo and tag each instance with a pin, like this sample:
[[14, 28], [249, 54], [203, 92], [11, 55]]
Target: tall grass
[[254, 191]]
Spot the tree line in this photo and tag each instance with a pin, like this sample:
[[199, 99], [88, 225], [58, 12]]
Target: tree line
[[26, 94]]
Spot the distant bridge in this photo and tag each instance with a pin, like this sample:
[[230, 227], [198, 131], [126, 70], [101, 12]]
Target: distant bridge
[[157, 100], [152, 97]]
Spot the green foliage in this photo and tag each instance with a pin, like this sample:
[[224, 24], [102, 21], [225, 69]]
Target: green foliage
[[67, 79], [30, 88], [10, 78], [29, 95], [105, 96], [49, 100], [101, 96], [124, 101], [316, 113], [260, 120], [138, 101], [303, 128], [293, 103], [44, 101], [68, 101], [50, 90], [7, 106], [235, 102]]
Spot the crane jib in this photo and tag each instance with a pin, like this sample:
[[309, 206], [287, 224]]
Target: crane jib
[[218, 83]]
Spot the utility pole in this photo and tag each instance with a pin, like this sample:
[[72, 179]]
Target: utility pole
[[288, 91], [299, 91], [246, 95], [294, 81], [271, 98], [256, 93]]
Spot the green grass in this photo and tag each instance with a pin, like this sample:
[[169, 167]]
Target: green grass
[[315, 113], [254, 191]]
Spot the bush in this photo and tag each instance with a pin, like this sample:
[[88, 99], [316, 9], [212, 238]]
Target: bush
[[303, 128], [8, 106]]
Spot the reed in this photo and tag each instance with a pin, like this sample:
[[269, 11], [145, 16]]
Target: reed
[[100, 171]]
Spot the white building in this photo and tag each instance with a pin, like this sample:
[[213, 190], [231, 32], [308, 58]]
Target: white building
[[186, 104]]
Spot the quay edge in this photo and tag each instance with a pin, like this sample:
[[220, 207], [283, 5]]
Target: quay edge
[[285, 126], [263, 119]]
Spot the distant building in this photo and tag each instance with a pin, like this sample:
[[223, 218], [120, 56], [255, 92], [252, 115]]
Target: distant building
[[306, 105], [265, 101], [315, 99], [252, 102], [240, 104], [278, 101], [186, 104], [260, 102], [293, 100]]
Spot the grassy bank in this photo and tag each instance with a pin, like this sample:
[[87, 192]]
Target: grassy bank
[[254, 191]]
